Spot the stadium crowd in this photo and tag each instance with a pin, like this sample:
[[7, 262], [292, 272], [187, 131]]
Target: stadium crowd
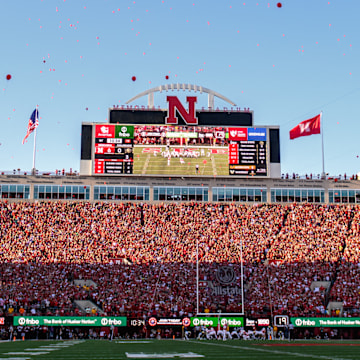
[[346, 288], [142, 257]]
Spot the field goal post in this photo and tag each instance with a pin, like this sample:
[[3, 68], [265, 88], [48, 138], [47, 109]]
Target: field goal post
[[219, 313]]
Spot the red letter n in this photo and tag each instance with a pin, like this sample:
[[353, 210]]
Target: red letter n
[[188, 116]]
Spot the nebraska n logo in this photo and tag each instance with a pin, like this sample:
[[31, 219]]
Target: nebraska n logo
[[304, 127], [188, 116]]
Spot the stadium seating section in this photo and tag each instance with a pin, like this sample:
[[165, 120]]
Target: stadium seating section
[[142, 257]]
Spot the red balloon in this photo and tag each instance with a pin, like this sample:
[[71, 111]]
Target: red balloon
[[279, 5], [133, 78], [8, 77], [167, 77]]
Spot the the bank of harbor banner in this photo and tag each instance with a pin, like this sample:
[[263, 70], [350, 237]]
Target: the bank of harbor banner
[[214, 321], [325, 322], [68, 321]]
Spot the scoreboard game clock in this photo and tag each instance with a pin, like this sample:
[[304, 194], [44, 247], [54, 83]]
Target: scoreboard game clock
[[136, 322], [281, 320]]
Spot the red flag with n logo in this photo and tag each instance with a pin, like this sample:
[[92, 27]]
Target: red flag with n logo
[[306, 128]]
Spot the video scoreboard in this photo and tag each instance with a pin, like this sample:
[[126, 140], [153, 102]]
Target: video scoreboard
[[170, 150], [180, 142]]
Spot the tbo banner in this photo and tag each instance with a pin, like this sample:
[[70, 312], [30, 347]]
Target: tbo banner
[[69, 321], [326, 322]]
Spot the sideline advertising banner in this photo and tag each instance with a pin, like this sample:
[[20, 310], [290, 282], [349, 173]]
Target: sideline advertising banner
[[153, 321], [325, 322], [214, 321], [68, 321], [257, 322]]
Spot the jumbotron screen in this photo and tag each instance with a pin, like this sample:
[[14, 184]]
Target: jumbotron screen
[[179, 150]]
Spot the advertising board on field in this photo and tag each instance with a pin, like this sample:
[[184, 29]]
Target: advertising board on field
[[257, 322], [69, 321], [153, 321], [325, 322], [214, 321]]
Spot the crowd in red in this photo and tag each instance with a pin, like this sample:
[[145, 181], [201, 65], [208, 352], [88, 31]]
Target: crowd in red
[[285, 248], [346, 288]]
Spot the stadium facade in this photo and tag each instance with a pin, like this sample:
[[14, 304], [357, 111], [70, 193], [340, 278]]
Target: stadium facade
[[150, 154], [153, 189]]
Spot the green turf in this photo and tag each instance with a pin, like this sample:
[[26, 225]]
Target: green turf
[[233, 349], [147, 163]]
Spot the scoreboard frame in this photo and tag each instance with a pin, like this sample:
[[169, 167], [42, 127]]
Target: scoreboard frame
[[254, 151], [120, 139]]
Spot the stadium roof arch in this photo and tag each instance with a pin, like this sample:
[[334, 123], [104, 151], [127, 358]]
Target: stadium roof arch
[[184, 87]]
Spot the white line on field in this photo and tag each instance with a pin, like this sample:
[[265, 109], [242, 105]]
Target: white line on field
[[133, 342], [26, 353]]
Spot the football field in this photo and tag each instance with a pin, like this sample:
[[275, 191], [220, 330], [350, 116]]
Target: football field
[[178, 349], [153, 160]]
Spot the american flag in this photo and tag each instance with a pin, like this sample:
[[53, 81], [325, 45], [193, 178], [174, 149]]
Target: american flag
[[33, 123]]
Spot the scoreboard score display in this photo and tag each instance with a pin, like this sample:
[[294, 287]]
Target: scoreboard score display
[[113, 149], [179, 150]]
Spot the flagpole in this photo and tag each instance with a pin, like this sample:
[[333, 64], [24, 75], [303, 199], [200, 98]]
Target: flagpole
[[322, 147], [33, 171]]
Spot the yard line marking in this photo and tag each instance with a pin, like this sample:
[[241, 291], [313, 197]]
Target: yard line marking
[[142, 355], [49, 346], [146, 164], [63, 345], [276, 351], [213, 165], [26, 353], [133, 342]]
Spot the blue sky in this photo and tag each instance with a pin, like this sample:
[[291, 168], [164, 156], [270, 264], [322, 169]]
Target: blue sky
[[75, 59]]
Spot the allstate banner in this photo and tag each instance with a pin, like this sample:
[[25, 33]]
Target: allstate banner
[[69, 321], [325, 322]]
